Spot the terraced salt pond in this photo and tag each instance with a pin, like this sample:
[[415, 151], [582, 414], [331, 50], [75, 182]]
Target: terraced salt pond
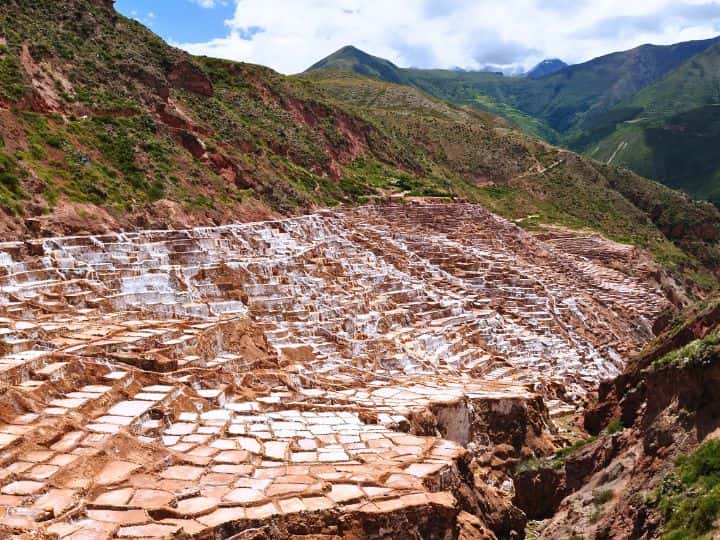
[[161, 383]]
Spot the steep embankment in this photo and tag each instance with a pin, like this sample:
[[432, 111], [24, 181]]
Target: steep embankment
[[653, 471]]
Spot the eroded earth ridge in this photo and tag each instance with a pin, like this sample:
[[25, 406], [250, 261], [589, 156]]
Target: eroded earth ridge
[[369, 372]]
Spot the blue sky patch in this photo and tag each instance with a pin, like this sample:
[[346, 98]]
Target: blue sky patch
[[181, 21]]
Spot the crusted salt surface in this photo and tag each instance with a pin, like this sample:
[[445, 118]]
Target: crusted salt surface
[[248, 371]]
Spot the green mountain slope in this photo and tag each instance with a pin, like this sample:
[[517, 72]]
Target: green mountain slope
[[648, 109], [674, 129], [105, 126], [559, 104], [577, 94]]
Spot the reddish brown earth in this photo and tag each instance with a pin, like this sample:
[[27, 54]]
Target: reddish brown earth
[[668, 409]]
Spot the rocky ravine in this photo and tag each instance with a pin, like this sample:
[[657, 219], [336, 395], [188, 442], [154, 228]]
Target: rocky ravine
[[651, 471], [368, 373]]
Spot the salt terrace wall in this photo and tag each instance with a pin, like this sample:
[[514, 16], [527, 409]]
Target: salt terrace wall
[[336, 373]]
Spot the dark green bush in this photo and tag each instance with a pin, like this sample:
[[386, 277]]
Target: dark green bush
[[690, 496]]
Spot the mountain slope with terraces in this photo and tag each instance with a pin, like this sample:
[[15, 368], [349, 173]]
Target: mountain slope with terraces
[[375, 372], [242, 306], [105, 127]]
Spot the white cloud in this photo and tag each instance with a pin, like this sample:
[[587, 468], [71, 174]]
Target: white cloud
[[208, 3], [289, 36]]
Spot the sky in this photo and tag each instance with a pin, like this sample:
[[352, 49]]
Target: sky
[[507, 35]]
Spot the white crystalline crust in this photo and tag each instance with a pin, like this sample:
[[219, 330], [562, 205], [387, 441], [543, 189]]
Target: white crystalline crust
[[201, 377]]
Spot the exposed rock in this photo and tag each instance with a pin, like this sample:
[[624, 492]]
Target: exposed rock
[[150, 80], [188, 76], [73, 218], [192, 144], [539, 492]]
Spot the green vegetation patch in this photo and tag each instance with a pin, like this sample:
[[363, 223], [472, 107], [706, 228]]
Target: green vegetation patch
[[616, 426], [120, 141], [11, 191], [689, 497], [700, 352], [557, 460], [367, 176], [12, 84]]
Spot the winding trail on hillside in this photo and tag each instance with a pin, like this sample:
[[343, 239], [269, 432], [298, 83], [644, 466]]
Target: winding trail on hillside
[[622, 146], [542, 170]]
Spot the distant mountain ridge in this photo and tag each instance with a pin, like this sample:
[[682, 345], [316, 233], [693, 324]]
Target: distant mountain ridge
[[587, 107]]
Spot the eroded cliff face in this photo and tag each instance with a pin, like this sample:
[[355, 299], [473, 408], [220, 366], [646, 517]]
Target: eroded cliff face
[[376, 372], [668, 401]]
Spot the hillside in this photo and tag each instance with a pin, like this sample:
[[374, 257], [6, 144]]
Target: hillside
[[646, 108], [671, 129], [104, 127], [563, 103]]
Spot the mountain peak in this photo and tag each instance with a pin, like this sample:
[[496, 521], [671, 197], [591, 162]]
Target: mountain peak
[[545, 68], [353, 60], [349, 49]]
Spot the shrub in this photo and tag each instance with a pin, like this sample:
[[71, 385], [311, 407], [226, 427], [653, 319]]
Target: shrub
[[10, 181], [596, 515], [601, 496], [615, 426], [54, 140], [8, 173], [565, 452], [690, 496]]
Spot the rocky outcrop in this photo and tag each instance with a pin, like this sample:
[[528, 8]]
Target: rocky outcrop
[[668, 400], [520, 421], [186, 75], [147, 79], [192, 144]]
